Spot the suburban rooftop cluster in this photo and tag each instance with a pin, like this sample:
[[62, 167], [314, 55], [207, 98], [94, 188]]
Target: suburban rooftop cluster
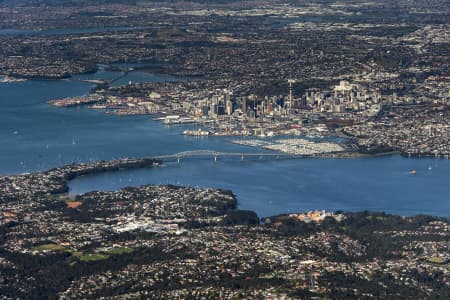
[[173, 242]]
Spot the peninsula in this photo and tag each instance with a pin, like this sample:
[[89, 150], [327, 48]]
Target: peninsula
[[171, 242]]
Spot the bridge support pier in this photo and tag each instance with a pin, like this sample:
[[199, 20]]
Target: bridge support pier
[[178, 160], [215, 158], [242, 157]]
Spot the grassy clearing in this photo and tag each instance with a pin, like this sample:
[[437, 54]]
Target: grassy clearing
[[49, 247], [97, 256], [93, 257], [436, 260], [118, 251], [76, 253]]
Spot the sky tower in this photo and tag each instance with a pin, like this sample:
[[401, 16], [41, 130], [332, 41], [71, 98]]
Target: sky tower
[[290, 100]]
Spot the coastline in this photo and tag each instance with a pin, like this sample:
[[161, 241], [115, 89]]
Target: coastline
[[195, 232], [55, 182], [101, 84], [342, 155]]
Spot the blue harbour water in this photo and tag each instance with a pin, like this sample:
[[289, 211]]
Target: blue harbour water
[[35, 136]]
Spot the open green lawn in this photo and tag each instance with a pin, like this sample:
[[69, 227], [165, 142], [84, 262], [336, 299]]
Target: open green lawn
[[93, 257], [86, 257], [436, 260], [122, 250], [48, 247]]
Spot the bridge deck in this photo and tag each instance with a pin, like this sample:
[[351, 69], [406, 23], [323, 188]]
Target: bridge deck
[[215, 154]]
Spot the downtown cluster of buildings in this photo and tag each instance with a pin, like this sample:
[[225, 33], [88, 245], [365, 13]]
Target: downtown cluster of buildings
[[229, 110], [222, 102], [377, 123]]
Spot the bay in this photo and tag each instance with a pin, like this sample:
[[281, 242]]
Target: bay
[[271, 187], [35, 136]]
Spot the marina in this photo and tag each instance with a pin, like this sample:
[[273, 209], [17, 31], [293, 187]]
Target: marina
[[295, 146]]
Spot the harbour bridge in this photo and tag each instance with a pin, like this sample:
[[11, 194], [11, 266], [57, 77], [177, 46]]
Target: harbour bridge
[[217, 155]]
